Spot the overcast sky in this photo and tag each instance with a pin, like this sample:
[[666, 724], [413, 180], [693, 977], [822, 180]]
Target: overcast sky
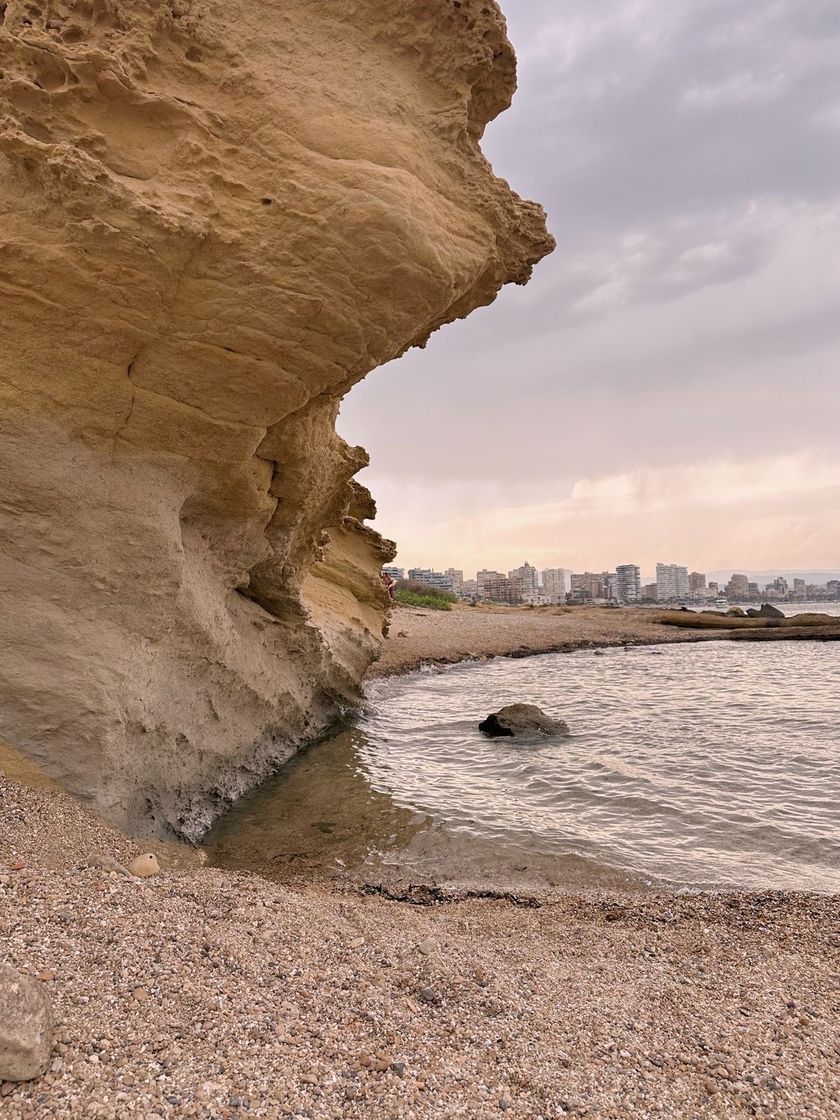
[[668, 385]]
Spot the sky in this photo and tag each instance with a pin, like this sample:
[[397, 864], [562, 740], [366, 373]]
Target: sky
[[667, 387]]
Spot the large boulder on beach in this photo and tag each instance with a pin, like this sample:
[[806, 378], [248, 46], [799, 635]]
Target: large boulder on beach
[[26, 1026], [769, 611], [521, 719], [218, 216]]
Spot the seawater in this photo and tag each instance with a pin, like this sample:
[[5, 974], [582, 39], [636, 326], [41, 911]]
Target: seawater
[[707, 766]]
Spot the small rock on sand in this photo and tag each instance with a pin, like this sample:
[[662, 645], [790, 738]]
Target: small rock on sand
[[145, 865], [26, 1026]]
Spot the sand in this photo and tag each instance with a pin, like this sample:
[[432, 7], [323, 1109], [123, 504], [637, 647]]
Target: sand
[[417, 636]]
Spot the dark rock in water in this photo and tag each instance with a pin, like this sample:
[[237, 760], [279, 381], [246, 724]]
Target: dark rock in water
[[521, 719], [769, 611], [753, 612]]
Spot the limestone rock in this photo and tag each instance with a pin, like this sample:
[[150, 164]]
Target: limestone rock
[[26, 1026], [521, 719], [145, 865], [217, 217]]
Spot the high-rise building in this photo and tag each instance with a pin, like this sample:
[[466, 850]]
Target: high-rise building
[[671, 583], [488, 573], [628, 583], [738, 587], [394, 572], [554, 585], [502, 590], [530, 578], [696, 581], [439, 580], [457, 578], [799, 588], [587, 586]]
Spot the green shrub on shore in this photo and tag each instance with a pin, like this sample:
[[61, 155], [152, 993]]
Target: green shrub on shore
[[413, 594]]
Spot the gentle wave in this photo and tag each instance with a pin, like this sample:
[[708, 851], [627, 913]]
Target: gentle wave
[[699, 765], [713, 765]]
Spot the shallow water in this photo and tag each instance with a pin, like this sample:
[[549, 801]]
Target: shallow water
[[691, 766]]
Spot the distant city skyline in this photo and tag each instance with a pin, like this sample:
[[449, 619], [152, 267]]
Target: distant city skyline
[[810, 575], [625, 585], [666, 384]]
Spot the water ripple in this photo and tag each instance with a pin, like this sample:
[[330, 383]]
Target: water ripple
[[713, 765]]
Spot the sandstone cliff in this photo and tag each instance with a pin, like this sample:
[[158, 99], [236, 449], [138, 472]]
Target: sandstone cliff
[[217, 216]]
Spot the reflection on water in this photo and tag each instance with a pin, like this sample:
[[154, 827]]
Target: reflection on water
[[320, 811], [714, 765], [323, 813]]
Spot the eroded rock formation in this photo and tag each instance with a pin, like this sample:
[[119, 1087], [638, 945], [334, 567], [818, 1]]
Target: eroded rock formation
[[217, 216]]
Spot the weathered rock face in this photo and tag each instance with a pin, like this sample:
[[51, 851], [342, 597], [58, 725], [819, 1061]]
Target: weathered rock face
[[216, 218]]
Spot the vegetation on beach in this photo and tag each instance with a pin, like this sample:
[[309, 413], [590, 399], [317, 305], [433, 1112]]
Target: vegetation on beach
[[414, 594]]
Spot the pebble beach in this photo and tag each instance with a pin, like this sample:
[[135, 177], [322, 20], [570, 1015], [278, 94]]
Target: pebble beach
[[201, 993]]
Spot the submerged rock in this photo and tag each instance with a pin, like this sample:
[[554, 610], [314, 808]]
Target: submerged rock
[[217, 218], [26, 1026], [521, 719]]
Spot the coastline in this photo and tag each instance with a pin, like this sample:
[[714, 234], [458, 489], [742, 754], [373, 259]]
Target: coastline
[[419, 636], [208, 993]]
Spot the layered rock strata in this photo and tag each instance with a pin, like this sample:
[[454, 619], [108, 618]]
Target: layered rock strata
[[215, 218]]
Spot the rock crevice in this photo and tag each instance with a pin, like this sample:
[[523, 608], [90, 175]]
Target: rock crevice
[[217, 218]]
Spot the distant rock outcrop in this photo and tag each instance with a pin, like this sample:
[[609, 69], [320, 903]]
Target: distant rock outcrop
[[767, 610], [521, 719], [217, 217]]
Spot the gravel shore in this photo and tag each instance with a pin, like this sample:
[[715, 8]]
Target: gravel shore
[[199, 993], [418, 636]]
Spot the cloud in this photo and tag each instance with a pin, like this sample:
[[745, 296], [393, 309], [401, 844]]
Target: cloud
[[700, 514], [689, 158]]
